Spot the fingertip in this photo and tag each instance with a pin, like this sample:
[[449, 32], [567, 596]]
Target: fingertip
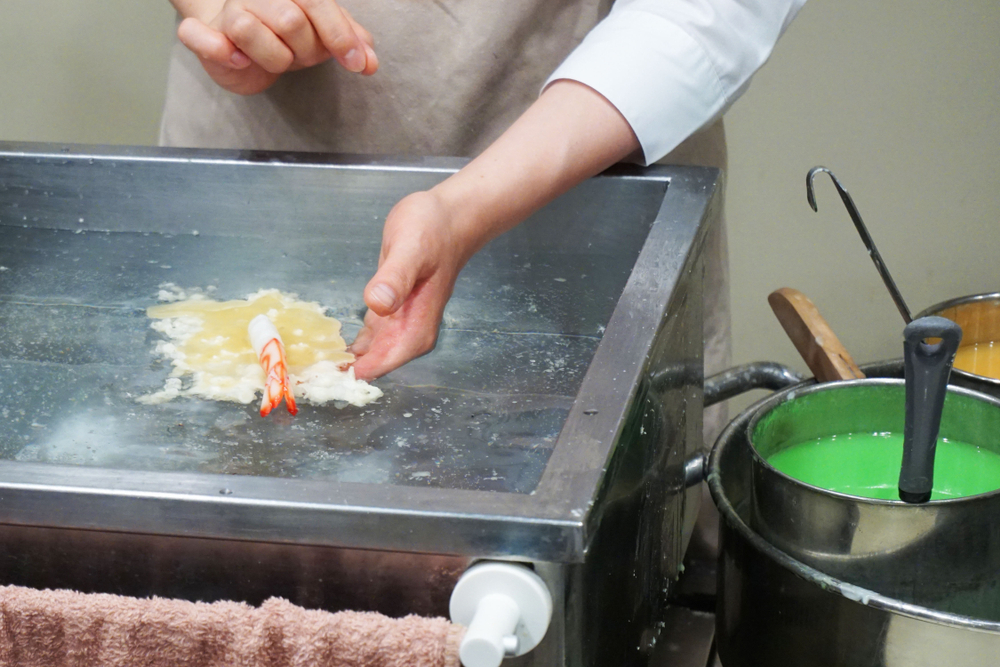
[[371, 64], [362, 342], [355, 60], [359, 55]]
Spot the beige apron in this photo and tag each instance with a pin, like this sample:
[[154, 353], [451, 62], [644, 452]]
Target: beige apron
[[453, 75]]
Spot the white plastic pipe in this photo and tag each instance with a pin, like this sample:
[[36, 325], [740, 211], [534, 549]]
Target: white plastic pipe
[[506, 608], [496, 617]]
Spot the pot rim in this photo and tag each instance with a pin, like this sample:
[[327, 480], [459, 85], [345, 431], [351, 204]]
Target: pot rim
[[961, 301], [766, 405], [856, 594]]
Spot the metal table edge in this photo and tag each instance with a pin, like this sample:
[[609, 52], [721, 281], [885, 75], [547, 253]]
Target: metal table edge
[[575, 467], [313, 512], [290, 159]]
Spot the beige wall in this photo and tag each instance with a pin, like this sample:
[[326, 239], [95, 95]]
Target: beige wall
[[86, 71], [900, 99]]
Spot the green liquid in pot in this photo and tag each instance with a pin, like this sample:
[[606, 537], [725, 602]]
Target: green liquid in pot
[[867, 465]]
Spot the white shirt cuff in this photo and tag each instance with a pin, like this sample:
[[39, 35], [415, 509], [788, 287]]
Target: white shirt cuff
[[672, 67]]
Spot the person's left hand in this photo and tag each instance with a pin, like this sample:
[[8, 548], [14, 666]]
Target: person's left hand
[[245, 45], [422, 254]]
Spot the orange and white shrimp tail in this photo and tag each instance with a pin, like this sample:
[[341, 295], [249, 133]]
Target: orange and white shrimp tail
[[271, 351]]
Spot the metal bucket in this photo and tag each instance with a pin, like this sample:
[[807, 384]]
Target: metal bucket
[[979, 317], [944, 554], [774, 609]]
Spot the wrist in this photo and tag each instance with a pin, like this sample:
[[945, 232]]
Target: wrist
[[469, 212], [203, 10], [569, 134]]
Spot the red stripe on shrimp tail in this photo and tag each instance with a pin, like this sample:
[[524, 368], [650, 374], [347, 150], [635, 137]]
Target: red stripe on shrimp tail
[[276, 386]]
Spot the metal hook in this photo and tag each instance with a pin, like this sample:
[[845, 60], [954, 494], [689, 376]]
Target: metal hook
[[866, 238]]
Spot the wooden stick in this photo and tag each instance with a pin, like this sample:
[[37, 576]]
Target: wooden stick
[[812, 336]]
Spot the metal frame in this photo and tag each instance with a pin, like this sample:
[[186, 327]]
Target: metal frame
[[555, 523]]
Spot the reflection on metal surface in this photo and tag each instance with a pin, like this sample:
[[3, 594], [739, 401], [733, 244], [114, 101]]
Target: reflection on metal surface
[[686, 639], [78, 357], [907, 645], [638, 548], [432, 437]]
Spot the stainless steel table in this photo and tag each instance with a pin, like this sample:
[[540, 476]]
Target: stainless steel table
[[549, 426]]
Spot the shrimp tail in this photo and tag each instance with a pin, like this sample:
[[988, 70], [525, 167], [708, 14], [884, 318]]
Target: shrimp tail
[[271, 352]]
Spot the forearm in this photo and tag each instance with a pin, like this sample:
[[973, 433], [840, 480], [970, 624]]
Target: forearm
[[568, 135]]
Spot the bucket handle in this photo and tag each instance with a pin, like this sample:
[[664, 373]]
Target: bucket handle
[[728, 384], [741, 379]]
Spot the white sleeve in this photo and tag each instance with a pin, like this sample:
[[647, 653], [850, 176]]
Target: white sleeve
[[671, 67]]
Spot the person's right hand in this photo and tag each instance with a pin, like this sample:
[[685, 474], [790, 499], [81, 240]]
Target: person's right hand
[[247, 44], [569, 134], [423, 250]]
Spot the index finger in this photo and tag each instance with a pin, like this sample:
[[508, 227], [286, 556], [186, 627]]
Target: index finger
[[336, 33]]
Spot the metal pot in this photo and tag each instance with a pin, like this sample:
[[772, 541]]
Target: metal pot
[[979, 317], [774, 609], [944, 554]]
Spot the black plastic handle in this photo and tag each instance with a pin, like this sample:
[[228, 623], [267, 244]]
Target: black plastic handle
[[741, 379], [927, 368]]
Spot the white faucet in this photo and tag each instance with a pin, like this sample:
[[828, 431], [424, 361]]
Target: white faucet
[[506, 608]]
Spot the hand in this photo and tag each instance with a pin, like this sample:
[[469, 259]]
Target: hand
[[422, 254], [569, 134], [245, 45]]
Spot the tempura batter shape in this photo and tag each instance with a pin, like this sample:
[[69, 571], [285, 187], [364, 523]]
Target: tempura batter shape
[[208, 341]]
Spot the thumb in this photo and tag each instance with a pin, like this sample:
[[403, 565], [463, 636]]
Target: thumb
[[393, 282]]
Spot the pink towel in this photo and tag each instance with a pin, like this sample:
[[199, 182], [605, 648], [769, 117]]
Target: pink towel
[[70, 629]]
